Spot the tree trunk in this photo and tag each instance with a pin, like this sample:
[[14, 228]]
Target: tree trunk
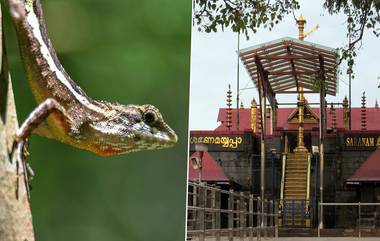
[[15, 214]]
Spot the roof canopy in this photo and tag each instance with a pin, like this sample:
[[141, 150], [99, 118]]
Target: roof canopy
[[291, 63], [369, 171], [211, 171]]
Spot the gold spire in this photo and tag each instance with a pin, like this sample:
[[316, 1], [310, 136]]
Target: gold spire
[[241, 105], [345, 113], [254, 115], [301, 103], [229, 111], [364, 113]]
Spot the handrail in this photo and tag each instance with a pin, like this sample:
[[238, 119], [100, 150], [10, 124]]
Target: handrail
[[358, 204], [308, 178], [283, 178], [350, 204], [242, 214]]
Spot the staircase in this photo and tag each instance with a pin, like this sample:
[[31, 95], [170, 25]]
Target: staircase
[[296, 169], [295, 191]]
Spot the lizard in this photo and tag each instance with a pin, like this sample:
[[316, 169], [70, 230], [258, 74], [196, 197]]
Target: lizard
[[65, 112]]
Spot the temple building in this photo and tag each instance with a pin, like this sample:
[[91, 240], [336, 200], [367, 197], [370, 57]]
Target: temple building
[[302, 154]]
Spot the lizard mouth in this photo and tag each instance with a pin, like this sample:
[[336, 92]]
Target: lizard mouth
[[165, 137]]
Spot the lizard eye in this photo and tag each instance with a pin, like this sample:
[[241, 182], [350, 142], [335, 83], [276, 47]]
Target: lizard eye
[[150, 117]]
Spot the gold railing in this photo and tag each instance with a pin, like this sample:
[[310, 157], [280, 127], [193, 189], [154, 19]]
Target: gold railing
[[283, 178]]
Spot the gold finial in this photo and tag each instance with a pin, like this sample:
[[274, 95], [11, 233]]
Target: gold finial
[[301, 26], [254, 115], [229, 111], [241, 105]]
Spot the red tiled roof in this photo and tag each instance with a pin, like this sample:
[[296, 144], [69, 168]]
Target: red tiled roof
[[373, 115], [369, 171], [211, 171]]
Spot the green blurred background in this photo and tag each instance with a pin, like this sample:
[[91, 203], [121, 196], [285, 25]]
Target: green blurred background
[[129, 51]]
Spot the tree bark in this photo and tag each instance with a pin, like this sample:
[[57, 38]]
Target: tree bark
[[15, 214]]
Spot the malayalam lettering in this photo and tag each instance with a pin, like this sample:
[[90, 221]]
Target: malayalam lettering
[[223, 141]]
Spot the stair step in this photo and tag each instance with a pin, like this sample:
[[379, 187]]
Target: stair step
[[295, 172], [296, 162], [289, 165], [302, 197], [296, 169], [295, 187], [290, 195], [295, 193], [295, 196]]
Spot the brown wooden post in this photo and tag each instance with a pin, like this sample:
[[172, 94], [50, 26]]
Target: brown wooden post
[[258, 217], [218, 212], [231, 215], [213, 212], [241, 216], [265, 218], [276, 219], [321, 136], [262, 153], [202, 212], [271, 212], [250, 217]]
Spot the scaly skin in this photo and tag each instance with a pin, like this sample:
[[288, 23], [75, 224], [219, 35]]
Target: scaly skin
[[76, 119]]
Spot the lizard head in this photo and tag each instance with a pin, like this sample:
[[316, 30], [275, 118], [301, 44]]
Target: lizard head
[[131, 128]]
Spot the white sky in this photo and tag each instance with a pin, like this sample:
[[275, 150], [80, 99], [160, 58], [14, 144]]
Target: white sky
[[214, 64]]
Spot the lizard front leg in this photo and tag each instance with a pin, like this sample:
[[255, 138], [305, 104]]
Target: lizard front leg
[[35, 118]]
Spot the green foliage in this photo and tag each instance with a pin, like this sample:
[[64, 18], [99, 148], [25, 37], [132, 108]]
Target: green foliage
[[241, 15], [244, 15]]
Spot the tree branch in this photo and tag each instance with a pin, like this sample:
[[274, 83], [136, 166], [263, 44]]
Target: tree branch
[[15, 214]]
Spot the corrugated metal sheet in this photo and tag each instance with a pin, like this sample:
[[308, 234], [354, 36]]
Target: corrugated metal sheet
[[292, 63]]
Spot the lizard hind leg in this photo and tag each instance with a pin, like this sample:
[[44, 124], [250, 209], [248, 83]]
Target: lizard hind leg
[[34, 120]]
